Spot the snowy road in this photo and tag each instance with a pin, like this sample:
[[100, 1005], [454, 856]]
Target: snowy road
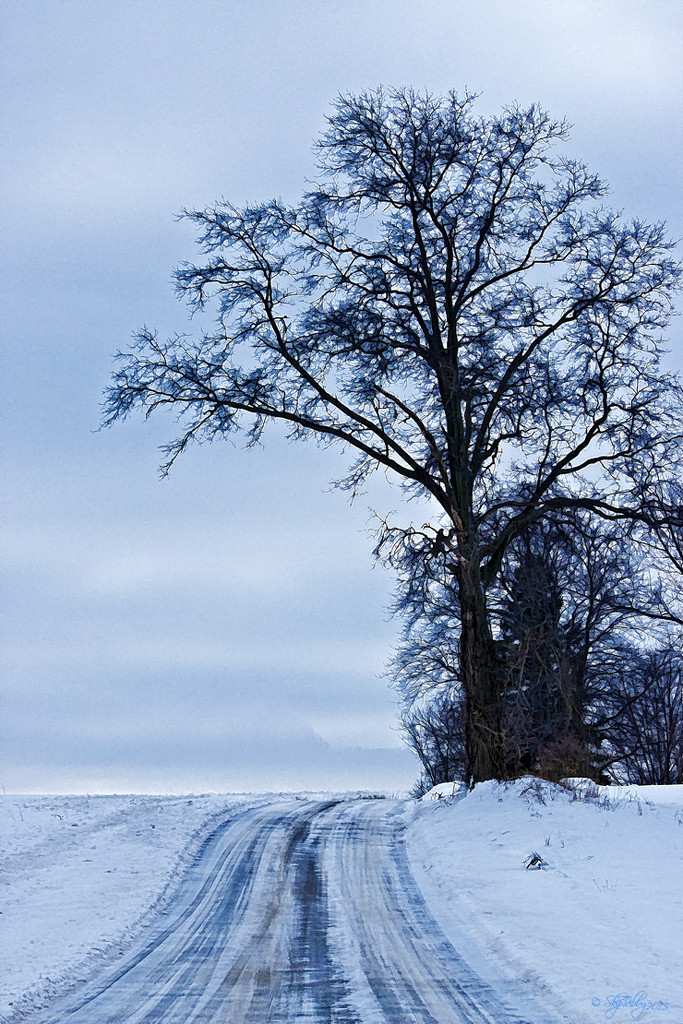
[[304, 913]]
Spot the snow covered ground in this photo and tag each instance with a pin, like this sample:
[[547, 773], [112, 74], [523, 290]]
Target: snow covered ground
[[597, 934], [599, 928], [79, 878]]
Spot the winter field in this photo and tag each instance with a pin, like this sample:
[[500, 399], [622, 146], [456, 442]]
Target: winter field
[[595, 934], [81, 876]]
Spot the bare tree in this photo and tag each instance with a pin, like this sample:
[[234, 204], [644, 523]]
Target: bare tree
[[435, 731], [647, 736], [563, 612], [452, 304]]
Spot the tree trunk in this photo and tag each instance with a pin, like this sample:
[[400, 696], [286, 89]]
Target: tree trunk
[[483, 734]]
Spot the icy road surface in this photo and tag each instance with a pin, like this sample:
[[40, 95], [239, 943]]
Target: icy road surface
[[292, 914]]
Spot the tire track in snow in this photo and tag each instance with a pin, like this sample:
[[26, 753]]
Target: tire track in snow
[[305, 914]]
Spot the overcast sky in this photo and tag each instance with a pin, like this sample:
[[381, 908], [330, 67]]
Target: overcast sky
[[224, 629]]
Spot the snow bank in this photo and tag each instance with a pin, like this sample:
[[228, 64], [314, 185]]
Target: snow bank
[[80, 876], [598, 934]]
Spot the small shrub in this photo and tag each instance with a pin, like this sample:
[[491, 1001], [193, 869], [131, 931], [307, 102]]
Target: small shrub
[[565, 757]]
